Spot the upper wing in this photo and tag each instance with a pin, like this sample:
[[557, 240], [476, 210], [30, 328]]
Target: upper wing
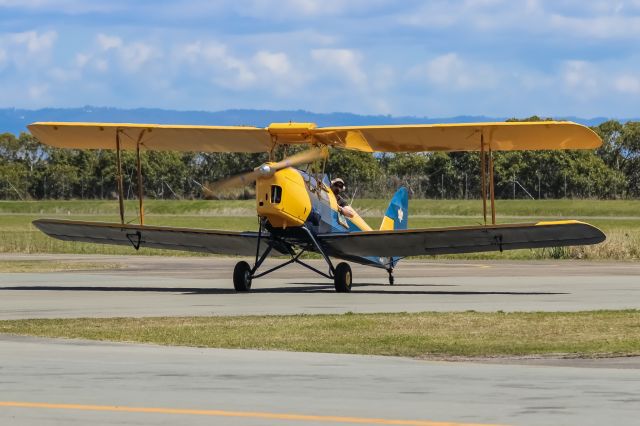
[[505, 136], [160, 237], [466, 239], [155, 137]]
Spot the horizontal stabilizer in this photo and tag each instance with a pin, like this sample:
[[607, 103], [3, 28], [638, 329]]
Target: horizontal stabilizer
[[158, 237], [464, 239]]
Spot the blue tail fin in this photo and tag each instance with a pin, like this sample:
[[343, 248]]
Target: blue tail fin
[[398, 211]]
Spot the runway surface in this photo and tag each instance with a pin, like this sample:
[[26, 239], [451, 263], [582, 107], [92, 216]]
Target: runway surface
[[176, 286], [50, 382], [142, 384]]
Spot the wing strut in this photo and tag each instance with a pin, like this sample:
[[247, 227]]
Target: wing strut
[[492, 188], [119, 177], [486, 161], [483, 178], [139, 168]]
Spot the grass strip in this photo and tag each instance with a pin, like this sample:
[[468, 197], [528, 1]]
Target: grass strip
[[18, 235], [366, 207], [429, 334]]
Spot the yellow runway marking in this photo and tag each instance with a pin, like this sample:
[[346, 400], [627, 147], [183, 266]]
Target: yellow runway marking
[[222, 413]]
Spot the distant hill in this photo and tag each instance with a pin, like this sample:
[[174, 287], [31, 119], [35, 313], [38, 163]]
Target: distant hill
[[15, 120]]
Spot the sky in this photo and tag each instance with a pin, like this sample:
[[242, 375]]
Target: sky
[[419, 58]]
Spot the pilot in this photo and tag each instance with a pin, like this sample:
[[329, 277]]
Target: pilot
[[338, 187]]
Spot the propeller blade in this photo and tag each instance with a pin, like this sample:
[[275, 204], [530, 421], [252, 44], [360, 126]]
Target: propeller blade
[[303, 157], [243, 179], [264, 170]]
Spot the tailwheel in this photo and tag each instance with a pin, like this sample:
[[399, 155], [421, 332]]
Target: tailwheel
[[242, 276], [342, 278]]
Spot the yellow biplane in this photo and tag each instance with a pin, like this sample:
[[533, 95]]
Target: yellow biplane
[[298, 211]]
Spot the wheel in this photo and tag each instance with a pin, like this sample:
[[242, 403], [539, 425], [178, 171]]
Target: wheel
[[242, 276], [391, 279], [342, 278]]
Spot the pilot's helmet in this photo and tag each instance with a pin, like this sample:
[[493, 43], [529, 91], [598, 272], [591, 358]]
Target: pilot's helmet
[[338, 183]]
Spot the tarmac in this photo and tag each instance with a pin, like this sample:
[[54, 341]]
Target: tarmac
[[184, 286], [52, 382], [56, 382]]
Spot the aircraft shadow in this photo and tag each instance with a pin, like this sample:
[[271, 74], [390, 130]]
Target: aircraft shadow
[[183, 290], [302, 288], [392, 290]]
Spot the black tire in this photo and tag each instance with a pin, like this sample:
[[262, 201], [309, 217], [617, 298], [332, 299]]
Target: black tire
[[242, 276], [342, 278]]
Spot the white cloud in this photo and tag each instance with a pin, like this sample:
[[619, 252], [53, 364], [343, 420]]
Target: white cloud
[[131, 56], [580, 78], [65, 75], [71, 7], [107, 42], [599, 27], [567, 18], [383, 77], [451, 72], [299, 9], [33, 41], [529, 80], [275, 63], [307, 7], [415, 57], [28, 49], [37, 92], [275, 71], [360, 86], [82, 59], [88, 61], [342, 62], [136, 55], [231, 72], [627, 84], [101, 65]]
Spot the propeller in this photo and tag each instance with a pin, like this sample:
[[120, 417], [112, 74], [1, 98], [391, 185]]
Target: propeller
[[265, 170]]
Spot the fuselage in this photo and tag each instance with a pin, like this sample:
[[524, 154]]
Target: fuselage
[[292, 198]]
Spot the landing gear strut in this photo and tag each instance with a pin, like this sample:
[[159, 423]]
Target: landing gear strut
[[243, 273], [391, 278]]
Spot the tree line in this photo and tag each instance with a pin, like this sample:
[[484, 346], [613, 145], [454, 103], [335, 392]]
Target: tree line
[[30, 170]]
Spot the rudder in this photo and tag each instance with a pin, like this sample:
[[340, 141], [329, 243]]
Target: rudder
[[397, 214]]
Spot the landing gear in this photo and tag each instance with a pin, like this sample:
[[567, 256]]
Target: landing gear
[[242, 276], [342, 278], [391, 278], [244, 273]]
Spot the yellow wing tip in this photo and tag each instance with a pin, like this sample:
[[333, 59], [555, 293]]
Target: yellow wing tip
[[559, 222]]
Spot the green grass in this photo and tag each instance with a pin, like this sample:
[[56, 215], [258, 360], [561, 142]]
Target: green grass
[[369, 207], [468, 334], [533, 208], [619, 219], [110, 207]]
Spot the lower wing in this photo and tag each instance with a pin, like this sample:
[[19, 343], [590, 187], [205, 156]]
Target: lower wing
[[465, 239], [159, 237]]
